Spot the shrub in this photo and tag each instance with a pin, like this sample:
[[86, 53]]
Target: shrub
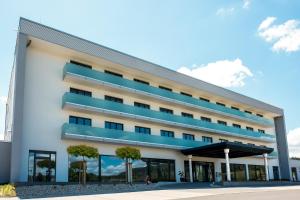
[[7, 190]]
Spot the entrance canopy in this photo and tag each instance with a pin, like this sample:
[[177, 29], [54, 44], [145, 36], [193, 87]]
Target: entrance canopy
[[237, 150]]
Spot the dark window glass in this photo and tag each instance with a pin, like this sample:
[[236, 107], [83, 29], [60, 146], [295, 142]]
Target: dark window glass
[[166, 110], [113, 73], [259, 115], [113, 125], [166, 133], [80, 120], [81, 92], [140, 81], [207, 139], [249, 128], [239, 142], [223, 140], [261, 131], [249, 112], [141, 105], [206, 119], [81, 64], [188, 136], [204, 99], [222, 122], [251, 144], [187, 115], [114, 99], [237, 172], [234, 108], [165, 88], [220, 104], [144, 130], [113, 169], [41, 166], [186, 94], [257, 173], [236, 125]]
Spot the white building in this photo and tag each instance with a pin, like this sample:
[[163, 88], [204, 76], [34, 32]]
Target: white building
[[65, 91]]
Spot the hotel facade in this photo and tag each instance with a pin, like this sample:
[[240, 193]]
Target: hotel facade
[[65, 91]]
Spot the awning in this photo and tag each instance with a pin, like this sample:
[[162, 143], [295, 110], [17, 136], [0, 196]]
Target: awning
[[236, 150]]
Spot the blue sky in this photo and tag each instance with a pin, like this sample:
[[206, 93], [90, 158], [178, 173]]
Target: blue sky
[[213, 40]]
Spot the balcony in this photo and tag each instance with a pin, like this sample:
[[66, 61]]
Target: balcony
[[89, 104], [98, 77]]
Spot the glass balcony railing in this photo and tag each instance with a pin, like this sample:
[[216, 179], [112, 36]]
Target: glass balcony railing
[[118, 136], [167, 95], [94, 104]]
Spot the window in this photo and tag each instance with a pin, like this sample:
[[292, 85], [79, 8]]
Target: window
[[114, 99], [183, 114], [236, 125], [234, 108], [80, 120], [220, 104], [223, 140], [238, 142], [112, 169], [206, 119], [259, 115], [141, 105], [81, 92], [186, 94], [113, 73], [222, 122], [249, 128], [251, 144], [204, 99], [261, 131], [249, 112], [140, 81], [257, 172], [166, 133], [113, 125], [237, 171], [144, 130], [81, 64], [165, 88], [166, 110], [41, 166], [188, 136], [207, 139]]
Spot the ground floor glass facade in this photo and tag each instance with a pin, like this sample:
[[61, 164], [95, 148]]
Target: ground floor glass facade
[[237, 172]]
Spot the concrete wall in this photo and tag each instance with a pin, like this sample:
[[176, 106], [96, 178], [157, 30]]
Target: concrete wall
[[5, 154]]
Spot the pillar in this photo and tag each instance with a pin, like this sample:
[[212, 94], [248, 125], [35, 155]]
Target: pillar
[[266, 166], [247, 172], [226, 151], [190, 167]]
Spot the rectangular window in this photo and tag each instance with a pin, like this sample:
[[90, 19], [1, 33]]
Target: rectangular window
[[236, 125], [238, 142], [206, 119], [261, 131], [166, 110], [186, 94], [144, 130], [234, 108], [166, 133], [222, 122], [81, 64], [75, 166], [204, 99], [113, 73], [80, 120], [257, 172], [249, 112], [41, 166], [140, 81], [259, 115], [249, 128], [141, 105], [251, 144], [113, 125], [165, 88], [223, 140], [114, 99], [220, 104], [207, 139], [81, 92], [183, 114], [188, 136]]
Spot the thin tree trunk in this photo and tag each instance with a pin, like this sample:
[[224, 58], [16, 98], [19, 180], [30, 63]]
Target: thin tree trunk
[[84, 173]]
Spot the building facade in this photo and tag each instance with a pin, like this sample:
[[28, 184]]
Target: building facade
[[66, 91]]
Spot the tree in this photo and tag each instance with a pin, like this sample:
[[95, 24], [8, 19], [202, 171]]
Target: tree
[[84, 152], [128, 154]]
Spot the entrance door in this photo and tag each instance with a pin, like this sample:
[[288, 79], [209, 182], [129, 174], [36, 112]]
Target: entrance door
[[275, 172], [202, 171]]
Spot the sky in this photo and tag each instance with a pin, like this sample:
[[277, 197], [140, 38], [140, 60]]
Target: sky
[[248, 46]]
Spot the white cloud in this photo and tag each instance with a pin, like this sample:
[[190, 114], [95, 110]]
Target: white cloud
[[284, 37], [225, 11], [3, 100], [246, 4], [224, 73], [294, 142]]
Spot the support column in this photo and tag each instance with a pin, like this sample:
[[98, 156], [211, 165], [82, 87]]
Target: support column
[[190, 168], [247, 172], [226, 151], [266, 166]]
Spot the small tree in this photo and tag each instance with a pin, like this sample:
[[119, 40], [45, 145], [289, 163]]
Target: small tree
[[84, 152], [128, 154]]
